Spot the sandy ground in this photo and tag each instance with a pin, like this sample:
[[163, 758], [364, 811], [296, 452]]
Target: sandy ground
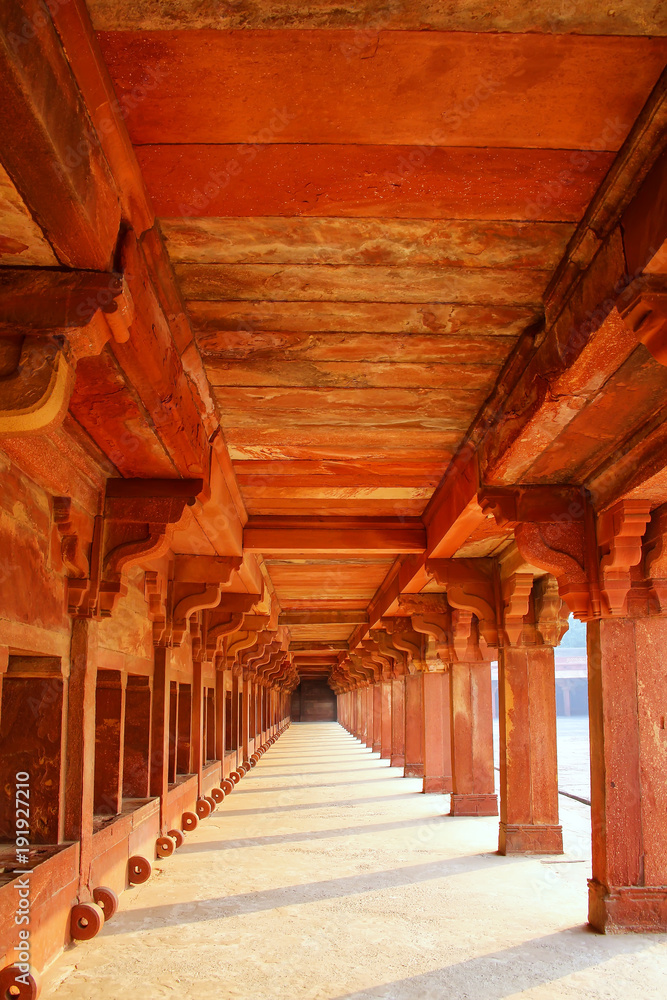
[[327, 876]]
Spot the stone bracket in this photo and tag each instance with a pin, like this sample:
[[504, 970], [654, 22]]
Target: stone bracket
[[49, 320], [469, 586], [551, 533], [620, 531], [643, 309], [135, 525]]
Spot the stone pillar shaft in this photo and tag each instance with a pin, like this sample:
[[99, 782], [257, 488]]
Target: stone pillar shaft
[[385, 724], [414, 726], [473, 778], [436, 733], [398, 722], [377, 717], [627, 700], [528, 764]]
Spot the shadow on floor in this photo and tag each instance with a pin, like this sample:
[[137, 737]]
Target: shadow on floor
[[295, 838], [147, 918], [509, 972], [336, 803]]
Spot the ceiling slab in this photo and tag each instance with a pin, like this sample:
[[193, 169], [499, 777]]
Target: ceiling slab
[[541, 91]]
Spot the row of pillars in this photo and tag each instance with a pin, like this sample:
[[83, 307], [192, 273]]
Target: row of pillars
[[142, 735], [438, 726]]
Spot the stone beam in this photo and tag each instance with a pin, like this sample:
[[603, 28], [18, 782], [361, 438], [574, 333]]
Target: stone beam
[[338, 535], [326, 617]]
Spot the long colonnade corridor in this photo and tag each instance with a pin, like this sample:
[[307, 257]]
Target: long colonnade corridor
[[327, 875]]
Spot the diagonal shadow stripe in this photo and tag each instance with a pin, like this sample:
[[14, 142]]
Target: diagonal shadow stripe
[[151, 917]]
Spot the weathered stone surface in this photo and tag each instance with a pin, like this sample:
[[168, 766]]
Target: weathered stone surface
[[633, 17], [306, 240], [419, 88], [360, 180]]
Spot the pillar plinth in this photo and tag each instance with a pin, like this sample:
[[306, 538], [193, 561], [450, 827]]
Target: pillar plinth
[[627, 698], [473, 779], [528, 764], [473, 805]]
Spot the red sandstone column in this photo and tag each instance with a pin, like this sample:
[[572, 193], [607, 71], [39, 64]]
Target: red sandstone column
[[198, 752], [385, 723], [398, 722], [436, 733], [414, 726], [368, 732], [473, 780], [159, 769], [80, 772], [377, 718], [220, 718], [628, 705], [246, 718], [528, 767]]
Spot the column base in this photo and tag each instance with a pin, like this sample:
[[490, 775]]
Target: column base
[[627, 909], [397, 760], [530, 839], [414, 771], [385, 753], [474, 805], [439, 784], [376, 747]]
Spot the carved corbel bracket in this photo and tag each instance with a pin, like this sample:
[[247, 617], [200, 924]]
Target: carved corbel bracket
[[253, 625], [620, 533], [197, 584], [407, 640], [550, 530], [154, 595], [227, 618], [35, 391], [643, 308], [372, 649], [387, 648], [76, 535], [559, 549], [139, 516], [135, 526], [362, 668], [655, 558], [50, 319], [516, 591], [209, 597], [469, 587], [431, 616]]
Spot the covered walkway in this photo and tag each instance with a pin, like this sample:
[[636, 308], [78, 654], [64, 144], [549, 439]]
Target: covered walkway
[[328, 876]]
